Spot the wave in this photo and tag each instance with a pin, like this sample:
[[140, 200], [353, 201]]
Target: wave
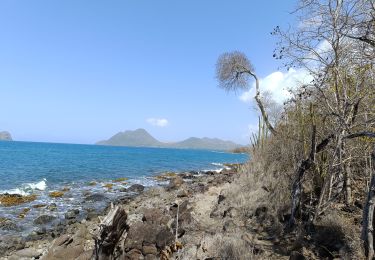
[[222, 166], [28, 188]]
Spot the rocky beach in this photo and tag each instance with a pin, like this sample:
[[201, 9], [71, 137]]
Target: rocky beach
[[186, 216]]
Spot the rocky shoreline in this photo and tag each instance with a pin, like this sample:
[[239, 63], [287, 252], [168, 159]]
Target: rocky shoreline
[[151, 221]]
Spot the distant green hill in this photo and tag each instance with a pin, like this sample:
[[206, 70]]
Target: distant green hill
[[5, 136], [141, 137]]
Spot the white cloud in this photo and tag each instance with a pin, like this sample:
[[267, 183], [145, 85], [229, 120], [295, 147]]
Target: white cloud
[[160, 122], [279, 84]]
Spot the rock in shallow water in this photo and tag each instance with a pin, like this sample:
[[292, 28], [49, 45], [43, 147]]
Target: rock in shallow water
[[96, 197], [71, 214], [136, 188], [44, 219], [7, 224]]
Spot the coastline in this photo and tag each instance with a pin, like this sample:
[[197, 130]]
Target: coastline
[[184, 187]]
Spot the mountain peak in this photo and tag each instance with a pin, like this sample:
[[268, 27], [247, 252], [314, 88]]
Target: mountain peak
[[140, 137]]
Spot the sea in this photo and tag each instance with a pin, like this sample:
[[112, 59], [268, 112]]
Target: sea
[[40, 168]]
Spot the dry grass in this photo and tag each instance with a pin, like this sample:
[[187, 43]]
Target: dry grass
[[335, 234]]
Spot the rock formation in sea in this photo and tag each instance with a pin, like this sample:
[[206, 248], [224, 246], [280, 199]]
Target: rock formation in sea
[[5, 136]]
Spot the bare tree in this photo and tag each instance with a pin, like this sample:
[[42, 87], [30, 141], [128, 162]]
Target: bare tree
[[234, 70]]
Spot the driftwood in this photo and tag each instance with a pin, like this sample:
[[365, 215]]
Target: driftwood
[[111, 229], [368, 215]]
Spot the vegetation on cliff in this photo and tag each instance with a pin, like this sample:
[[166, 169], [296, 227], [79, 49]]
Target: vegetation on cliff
[[316, 161]]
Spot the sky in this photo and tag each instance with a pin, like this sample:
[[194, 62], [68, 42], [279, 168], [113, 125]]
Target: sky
[[80, 71]]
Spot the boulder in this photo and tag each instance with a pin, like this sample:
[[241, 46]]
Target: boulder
[[155, 215], [71, 214], [9, 225], [136, 188], [44, 219], [27, 253], [149, 249], [164, 238], [182, 193], [151, 257], [95, 197], [295, 255], [52, 207], [134, 254], [220, 198], [140, 233], [175, 182], [10, 243]]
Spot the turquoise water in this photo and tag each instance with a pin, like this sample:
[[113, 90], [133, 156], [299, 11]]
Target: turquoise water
[[39, 168], [23, 165]]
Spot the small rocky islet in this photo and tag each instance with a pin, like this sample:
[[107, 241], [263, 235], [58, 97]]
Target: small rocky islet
[[71, 233]]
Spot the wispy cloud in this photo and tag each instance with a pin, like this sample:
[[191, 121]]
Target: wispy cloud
[[279, 84], [160, 122]]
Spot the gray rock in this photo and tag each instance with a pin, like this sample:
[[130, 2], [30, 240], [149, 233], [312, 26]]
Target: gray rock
[[44, 219], [7, 224], [134, 254], [10, 243], [71, 214], [164, 238], [27, 253], [151, 249], [151, 257], [182, 193], [136, 188], [96, 197], [175, 182], [52, 207]]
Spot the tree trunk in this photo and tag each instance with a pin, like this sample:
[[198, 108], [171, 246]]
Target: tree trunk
[[348, 184], [260, 105], [297, 185], [368, 216], [111, 229]]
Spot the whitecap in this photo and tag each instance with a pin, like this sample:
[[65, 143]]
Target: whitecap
[[28, 188]]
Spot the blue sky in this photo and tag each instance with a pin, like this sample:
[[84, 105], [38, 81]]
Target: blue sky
[[81, 71]]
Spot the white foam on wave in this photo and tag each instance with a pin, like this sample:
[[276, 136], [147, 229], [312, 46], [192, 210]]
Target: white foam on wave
[[217, 164], [214, 170], [222, 166], [28, 188]]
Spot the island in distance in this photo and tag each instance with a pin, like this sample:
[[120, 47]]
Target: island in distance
[[141, 138], [5, 136]]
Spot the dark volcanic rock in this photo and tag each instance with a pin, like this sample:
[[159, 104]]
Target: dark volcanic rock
[[71, 214], [136, 188], [96, 197], [44, 219], [220, 198], [7, 224], [164, 238]]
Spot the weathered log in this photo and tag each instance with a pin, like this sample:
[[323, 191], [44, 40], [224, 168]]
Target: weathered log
[[111, 229], [368, 215]]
